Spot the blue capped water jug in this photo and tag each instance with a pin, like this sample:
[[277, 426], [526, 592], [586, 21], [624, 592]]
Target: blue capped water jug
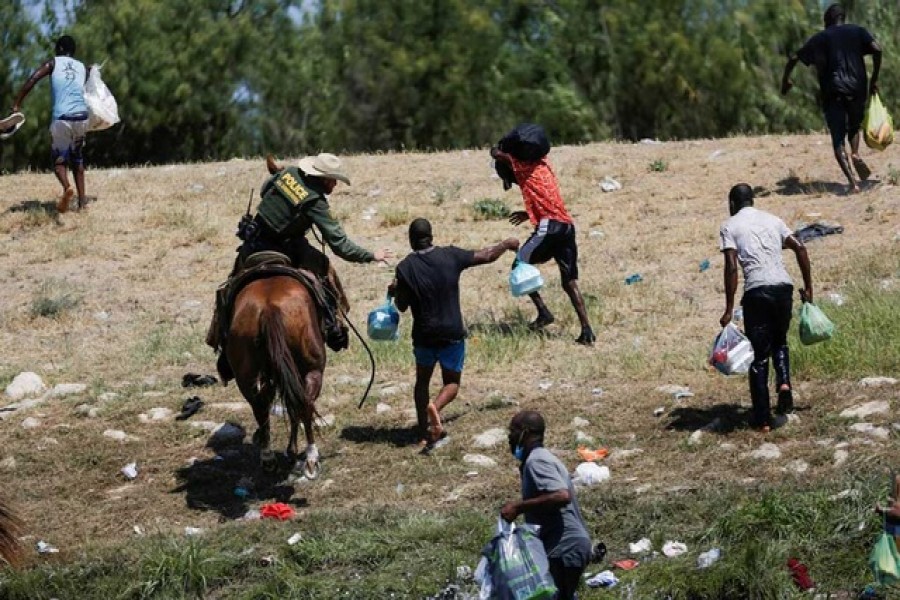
[[384, 322], [525, 279]]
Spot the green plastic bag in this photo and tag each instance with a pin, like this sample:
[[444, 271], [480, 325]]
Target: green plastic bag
[[878, 127], [884, 560], [518, 565], [815, 327]]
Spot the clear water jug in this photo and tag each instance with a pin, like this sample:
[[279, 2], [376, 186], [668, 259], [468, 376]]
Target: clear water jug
[[525, 279], [384, 322]]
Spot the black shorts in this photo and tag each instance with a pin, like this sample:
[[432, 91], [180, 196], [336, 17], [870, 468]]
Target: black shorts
[[844, 116], [556, 240]]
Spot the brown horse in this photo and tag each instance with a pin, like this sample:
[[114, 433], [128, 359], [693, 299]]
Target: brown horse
[[10, 551], [275, 346]]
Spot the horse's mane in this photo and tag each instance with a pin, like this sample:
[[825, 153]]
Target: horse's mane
[[10, 550]]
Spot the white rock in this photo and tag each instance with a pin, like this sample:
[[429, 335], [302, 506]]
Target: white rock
[[840, 457], [101, 315], [153, 394], [391, 390], [544, 385], [381, 407], [877, 381], [160, 413], [624, 454], [595, 233], [86, 410], [643, 489], [583, 438], [797, 466], [696, 437], [67, 389], [31, 423], [8, 464], [480, 460], [233, 406], [861, 411], [869, 429], [205, 425], [115, 434], [578, 422], [327, 420], [842, 445], [489, 438], [25, 384], [108, 396], [767, 451], [597, 392], [192, 531], [673, 389], [727, 446], [46, 442]]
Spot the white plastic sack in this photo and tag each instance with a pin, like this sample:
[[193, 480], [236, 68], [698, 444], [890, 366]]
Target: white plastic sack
[[103, 110], [590, 473]]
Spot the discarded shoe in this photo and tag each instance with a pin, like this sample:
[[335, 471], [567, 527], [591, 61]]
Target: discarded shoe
[[190, 408], [195, 380]]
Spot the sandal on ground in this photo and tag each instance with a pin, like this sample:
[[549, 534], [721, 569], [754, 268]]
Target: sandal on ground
[[191, 407]]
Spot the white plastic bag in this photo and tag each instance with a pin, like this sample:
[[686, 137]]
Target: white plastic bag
[[103, 111], [732, 352]]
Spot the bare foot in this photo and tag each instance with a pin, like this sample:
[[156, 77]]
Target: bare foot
[[862, 169], [64, 200], [435, 428]]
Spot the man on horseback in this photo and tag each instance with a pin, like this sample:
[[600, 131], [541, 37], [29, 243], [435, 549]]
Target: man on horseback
[[293, 200]]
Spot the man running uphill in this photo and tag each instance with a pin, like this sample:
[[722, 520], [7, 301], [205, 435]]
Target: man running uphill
[[838, 51], [554, 229]]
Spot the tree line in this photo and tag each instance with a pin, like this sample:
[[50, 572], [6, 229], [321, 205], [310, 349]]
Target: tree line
[[212, 79]]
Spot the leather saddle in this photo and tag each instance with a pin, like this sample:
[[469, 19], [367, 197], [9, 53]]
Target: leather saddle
[[262, 265]]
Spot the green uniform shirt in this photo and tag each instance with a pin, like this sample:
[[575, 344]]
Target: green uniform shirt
[[292, 203]]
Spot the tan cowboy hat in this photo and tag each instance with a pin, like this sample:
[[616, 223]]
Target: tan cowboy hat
[[324, 165]]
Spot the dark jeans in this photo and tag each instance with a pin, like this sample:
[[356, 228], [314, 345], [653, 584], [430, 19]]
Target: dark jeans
[[767, 316], [844, 116], [565, 578]]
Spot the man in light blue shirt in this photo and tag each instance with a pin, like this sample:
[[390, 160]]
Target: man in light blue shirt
[[69, 120]]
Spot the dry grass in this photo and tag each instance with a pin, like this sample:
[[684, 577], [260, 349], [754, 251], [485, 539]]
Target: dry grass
[[148, 255]]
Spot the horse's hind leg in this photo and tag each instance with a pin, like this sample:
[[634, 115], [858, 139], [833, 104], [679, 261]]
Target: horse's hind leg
[[261, 438], [313, 387]]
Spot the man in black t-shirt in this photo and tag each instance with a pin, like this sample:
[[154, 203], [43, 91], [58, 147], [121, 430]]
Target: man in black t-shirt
[[837, 52], [427, 282]]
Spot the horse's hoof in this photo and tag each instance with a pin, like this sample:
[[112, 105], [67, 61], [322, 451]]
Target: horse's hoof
[[268, 461], [311, 470]]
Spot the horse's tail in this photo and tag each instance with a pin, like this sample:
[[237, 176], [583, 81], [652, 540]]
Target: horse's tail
[[10, 551], [281, 369]]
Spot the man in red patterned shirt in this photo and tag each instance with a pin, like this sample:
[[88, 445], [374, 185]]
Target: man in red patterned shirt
[[553, 236]]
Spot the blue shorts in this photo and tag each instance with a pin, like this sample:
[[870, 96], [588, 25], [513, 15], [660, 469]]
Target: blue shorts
[[451, 356]]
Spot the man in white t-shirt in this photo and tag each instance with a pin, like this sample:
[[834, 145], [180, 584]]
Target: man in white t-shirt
[[754, 239]]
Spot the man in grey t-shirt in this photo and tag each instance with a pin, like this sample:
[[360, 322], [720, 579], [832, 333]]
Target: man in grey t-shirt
[[548, 500], [755, 238]]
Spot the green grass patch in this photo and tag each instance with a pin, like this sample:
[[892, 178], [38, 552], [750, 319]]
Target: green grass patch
[[394, 217], [167, 344], [398, 553], [490, 209], [866, 341], [658, 166]]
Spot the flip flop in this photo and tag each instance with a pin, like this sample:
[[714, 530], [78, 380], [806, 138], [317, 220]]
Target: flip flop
[[11, 124], [191, 407]]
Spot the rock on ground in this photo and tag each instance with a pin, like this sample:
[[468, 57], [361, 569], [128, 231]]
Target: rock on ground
[[861, 411], [490, 438], [579, 422], [840, 457], [767, 451], [480, 460], [869, 429], [67, 389], [877, 381], [25, 384]]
